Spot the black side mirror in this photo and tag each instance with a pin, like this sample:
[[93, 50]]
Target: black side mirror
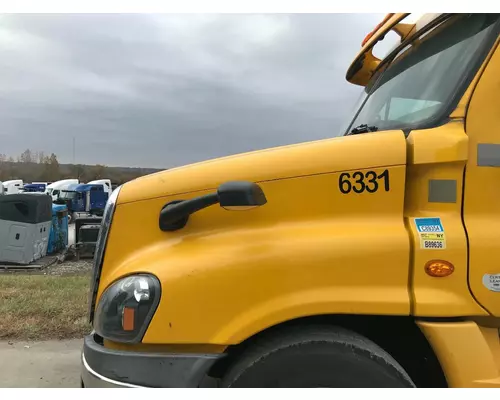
[[240, 195], [237, 195]]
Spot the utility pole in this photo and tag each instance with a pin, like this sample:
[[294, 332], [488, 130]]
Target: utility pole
[[73, 149]]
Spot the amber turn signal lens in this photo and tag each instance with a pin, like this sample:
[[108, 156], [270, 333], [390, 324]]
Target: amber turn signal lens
[[128, 318], [439, 268]]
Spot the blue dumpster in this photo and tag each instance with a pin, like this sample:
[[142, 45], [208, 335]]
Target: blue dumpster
[[58, 237]]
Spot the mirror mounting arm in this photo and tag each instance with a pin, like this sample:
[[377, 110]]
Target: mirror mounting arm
[[175, 214]]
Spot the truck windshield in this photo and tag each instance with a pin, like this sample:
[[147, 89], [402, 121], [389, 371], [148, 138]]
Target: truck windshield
[[67, 194], [427, 76]]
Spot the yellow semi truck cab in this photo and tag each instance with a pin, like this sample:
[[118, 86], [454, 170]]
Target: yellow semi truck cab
[[371, 259]]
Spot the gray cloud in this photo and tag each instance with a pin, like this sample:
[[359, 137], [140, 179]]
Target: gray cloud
[[166, 90]]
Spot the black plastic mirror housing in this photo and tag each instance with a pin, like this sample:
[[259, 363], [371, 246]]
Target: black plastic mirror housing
[[242, 194]]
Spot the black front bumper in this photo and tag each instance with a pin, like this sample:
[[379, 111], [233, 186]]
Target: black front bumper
[[103, 367]]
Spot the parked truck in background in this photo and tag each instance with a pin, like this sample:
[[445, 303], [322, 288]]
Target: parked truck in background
[[13, 186], [55, 188], [83, 198], [105, 182], [366, 260], [34, 187]]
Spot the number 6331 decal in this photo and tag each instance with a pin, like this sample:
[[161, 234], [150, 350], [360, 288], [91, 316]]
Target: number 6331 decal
[[359, 182]]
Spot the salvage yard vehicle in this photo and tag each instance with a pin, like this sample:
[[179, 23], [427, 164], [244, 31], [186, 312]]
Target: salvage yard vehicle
[[34, 187], [105, 182], [83, 198], [366, 260], [12, 186], [55, 188]]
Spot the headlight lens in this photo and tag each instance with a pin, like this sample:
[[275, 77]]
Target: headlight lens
[[126, 307]]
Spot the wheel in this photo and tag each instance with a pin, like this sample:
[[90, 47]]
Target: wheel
[[315, 356]]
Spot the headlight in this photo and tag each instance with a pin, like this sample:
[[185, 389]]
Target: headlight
[[102, 238], [126, 308]]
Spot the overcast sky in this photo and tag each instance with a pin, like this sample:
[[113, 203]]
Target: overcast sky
[[166, 90]]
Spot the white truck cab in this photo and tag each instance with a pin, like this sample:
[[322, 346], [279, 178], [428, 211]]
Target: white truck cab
[[13, 186], [105, 182], [54, 189]]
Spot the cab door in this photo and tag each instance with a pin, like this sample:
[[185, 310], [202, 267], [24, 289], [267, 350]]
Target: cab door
[[482, 187]]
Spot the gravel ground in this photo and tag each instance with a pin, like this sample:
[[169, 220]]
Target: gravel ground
[[68, 267], [81, 267]]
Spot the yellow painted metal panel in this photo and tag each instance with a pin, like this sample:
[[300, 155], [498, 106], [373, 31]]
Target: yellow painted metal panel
[[482, 188], [469, 355], [438, 154], [310, 250]]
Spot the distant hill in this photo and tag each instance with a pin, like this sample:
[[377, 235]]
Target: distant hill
[[68, 168], [31, 166], [53, 171]]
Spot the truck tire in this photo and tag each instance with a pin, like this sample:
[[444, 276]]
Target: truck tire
[[315, 356]]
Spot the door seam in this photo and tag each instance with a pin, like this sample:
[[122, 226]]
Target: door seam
[[462, 216]]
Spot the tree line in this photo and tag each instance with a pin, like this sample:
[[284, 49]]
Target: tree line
[[33, 166]]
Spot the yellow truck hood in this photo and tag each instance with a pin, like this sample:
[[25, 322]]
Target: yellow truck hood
[[324, 156]]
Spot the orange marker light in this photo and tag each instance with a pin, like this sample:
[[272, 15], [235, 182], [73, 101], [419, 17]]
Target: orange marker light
[[128, 318], [387, 17], [439, 268]]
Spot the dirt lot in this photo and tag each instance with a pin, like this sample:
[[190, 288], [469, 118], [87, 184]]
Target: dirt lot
[[40, 364]]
